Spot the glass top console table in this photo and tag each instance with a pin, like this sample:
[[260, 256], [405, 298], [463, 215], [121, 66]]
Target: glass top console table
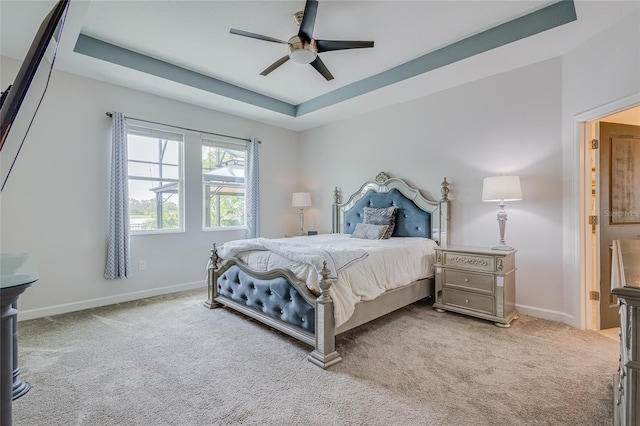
[[17, 272]]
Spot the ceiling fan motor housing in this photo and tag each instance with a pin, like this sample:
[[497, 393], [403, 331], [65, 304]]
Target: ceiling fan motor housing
[[301, 51], [303, 48]]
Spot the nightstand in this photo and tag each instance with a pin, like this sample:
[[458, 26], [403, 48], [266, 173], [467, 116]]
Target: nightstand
[[477, 281]]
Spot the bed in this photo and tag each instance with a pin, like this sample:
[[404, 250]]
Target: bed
[[314, 288]]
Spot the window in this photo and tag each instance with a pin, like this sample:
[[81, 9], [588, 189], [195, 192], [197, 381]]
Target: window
[[223, 183], [155, 171]]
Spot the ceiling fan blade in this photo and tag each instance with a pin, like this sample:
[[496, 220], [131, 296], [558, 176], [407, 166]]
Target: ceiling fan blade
[[308, 20], [328, 45], [257, 36], [275, 65], [321, 68]]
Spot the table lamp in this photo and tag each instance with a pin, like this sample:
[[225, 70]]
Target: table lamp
[[501, 189], [301, 200]]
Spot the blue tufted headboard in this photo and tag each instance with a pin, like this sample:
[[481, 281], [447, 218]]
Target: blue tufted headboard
[[410, 220], [417, 216]]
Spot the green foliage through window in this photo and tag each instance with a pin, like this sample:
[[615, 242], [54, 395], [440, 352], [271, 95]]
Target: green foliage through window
[[155, 161], [223, 172]]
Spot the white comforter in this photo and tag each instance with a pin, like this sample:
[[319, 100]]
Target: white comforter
[[389, 264]]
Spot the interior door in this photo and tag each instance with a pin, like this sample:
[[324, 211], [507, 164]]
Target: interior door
[[619, 203]]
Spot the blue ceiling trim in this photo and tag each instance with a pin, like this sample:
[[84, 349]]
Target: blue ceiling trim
[[533, 23], [99, 49], [536, 22]]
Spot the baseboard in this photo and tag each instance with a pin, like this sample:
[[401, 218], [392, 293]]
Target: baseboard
[[28, 314], [547, 314]]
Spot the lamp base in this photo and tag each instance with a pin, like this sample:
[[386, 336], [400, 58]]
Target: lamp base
[[301, 222], [502, 247]]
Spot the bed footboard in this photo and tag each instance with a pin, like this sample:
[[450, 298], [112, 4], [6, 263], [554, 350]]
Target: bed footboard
[[278, 299], [325, 354], [212, 268]]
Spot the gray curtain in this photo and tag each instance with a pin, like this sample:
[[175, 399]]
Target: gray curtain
[[118, 249], [253, 189]]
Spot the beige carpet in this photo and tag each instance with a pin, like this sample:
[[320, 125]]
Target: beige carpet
[[169, 361]]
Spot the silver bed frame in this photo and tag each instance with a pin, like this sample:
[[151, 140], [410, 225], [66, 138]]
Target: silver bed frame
[[323, 340]]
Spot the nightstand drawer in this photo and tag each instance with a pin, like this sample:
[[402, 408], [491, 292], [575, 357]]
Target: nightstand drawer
[[476, 281], [469, 261], [467, 300], [480, 282]]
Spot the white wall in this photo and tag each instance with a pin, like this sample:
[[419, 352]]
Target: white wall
[[55, 202], [518, 122], [508, 123], [601, 71]]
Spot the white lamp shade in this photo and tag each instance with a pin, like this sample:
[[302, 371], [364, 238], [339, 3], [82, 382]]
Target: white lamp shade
[[301, 199], [506, 188]]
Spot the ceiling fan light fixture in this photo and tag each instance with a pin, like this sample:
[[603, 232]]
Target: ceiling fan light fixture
[[302, 52], [302, 56], [303, 48]]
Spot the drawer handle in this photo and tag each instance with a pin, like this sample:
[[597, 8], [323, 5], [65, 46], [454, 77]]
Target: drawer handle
[[466, 300], [618, 401], [620, 387], [622, 374], [466, 280]]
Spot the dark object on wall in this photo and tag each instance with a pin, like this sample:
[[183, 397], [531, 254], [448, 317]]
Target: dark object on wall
[[20, 102], [312, 233]]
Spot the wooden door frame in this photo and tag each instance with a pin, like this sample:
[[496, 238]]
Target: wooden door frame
[[589, 311]]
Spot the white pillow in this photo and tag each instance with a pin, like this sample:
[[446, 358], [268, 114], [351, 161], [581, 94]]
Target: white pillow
[[369, 231]]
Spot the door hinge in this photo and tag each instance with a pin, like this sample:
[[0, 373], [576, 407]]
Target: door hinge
[[594, 143], [594, 295], [593, 220]]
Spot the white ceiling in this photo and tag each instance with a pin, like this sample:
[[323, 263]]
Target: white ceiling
[[194, 35]]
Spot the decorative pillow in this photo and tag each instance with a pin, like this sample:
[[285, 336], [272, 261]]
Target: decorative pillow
[[369, 232], [383, 216]]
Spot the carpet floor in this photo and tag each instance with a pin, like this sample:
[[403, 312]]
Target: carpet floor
[[168, 360]]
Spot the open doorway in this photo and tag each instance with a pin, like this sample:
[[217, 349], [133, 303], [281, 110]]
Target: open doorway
[[610, 208]]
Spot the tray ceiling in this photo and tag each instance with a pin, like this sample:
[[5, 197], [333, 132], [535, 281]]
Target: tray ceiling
[[183, 49]]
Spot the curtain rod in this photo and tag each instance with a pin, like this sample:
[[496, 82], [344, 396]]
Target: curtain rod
[[186, 128]]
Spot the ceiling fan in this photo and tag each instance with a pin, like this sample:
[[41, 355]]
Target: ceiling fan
[[303, 48]]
